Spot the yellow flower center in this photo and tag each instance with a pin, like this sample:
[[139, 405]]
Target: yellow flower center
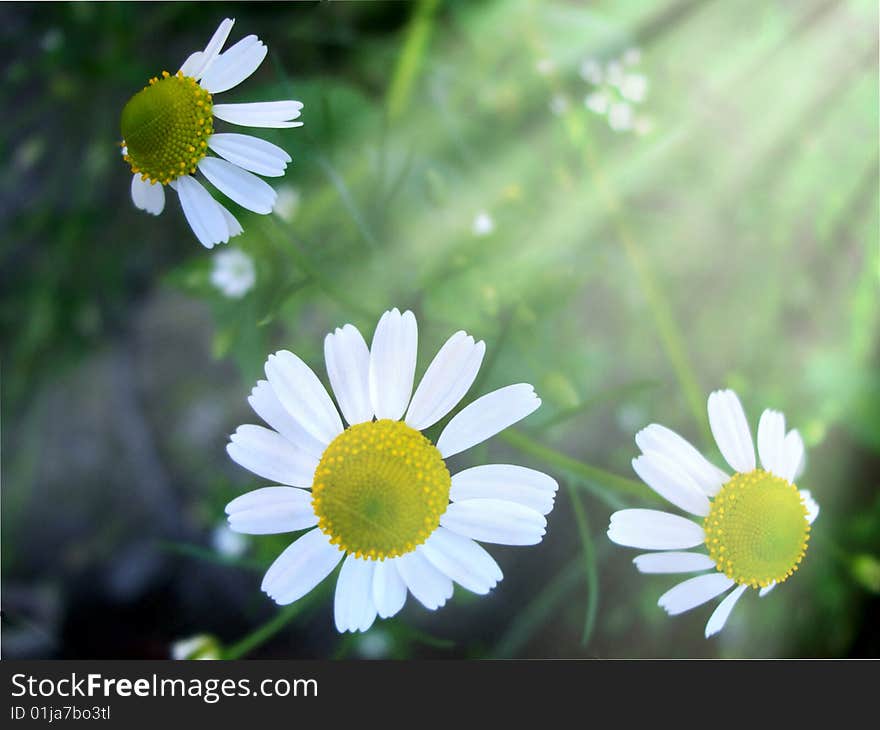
[[757, 530], [166, 126], [380, 489]]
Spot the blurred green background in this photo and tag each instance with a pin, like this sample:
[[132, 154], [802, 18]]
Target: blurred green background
[[716, 225]]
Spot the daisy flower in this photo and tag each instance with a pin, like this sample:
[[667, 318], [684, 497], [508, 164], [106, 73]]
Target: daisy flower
[[168, 129], [377, 495], [754, 526]]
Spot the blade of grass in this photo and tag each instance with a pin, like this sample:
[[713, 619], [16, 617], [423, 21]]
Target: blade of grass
[[411, 57], [590, 571], [535, 613]]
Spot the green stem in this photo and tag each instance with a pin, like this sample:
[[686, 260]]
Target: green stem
[[589, 553], [263, 633], [592, 474], [411, 56]]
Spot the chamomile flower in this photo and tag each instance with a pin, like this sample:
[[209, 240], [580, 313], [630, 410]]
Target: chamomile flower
[[233, 273], [377, 495], [168, 130], [753, 525]]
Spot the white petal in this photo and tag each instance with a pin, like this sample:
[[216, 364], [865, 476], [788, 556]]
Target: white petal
[[251, 153], [232, 224], [495, 520], [771, 440], [462, 560], [348, 367], [199, 62], [794, 456], [487, 416], [766, 589], [667, 442], [147, 196], [651, 529], [694, 592], [731, 430], [272, 510], [234, 65], [202, 212], [353, 607], [671, 482], [527, 487], [389, 590], [430, 587], [301, 567], [267, 406], [303, 396], [260, 114], [243, 187], [811, 505], [720, 614], [673, 562], [447, 379], [393, 363], [271, 456]]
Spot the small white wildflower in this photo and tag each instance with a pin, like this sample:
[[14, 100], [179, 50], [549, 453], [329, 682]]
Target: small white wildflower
[[634, 87], [620, 117], [228, 543], [200, 646], [614, 73], [233, 273], [287, 203], [591, 71], [597, 102], [483, 224]]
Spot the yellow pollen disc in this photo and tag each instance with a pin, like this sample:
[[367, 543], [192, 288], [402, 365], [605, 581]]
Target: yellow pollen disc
[[757, 530], [380, 489], [163, 127]]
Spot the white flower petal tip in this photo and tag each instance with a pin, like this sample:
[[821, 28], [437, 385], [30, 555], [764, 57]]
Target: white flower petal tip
[[348, 367], [300, 568], [527, 487], [811, 505], [671, 482], [196, 65], [202, 212], [393, 363], [389, 590], [148, 196], [495, 520], [353, 607], [251, 153], [272, 510], [662, 440], [462, 560], [303, 396], [269, 455], [487, 416], [673, 562], [266, 114], [239, 185], [234, 65], [730, 428], [771, 442], [722, 613], [794, 456], [446, 381], [428, 585], [694, 592], [650, 529]]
